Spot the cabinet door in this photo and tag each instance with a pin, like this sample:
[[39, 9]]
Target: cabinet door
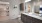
[[29, 19], [22, 17], [34, 20], [25, 18]]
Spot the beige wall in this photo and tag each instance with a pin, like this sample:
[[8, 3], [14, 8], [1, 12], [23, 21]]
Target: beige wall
[[3, 10]]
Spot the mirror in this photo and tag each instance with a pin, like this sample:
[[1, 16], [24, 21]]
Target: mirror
[[33, 6]]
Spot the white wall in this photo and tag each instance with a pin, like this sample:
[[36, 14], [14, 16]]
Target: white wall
[[14, 12]]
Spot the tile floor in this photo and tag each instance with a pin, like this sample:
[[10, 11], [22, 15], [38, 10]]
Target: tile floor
[[12, 21], [4, 20]]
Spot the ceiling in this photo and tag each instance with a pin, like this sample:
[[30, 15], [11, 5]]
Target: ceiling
[[9, 0], [5, 0]]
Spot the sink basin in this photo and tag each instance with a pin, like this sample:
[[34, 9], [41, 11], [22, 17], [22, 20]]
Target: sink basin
[[33, 13]]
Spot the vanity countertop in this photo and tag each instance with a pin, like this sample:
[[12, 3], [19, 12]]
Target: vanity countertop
[[33, 15]]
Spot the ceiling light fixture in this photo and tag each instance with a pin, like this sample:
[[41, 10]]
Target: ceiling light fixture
[[27, 0]]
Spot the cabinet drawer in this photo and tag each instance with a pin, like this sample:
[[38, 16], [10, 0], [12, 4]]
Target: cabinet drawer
[[28, 17]]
